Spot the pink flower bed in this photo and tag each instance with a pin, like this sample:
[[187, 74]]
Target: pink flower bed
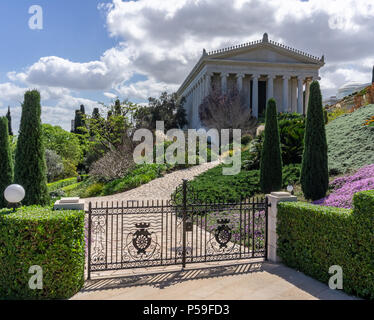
[[346, 187]]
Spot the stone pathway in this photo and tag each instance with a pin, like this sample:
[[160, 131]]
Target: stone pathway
[[251, 281], [158, 189]]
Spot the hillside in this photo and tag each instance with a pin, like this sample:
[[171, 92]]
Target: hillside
[[351, 144]]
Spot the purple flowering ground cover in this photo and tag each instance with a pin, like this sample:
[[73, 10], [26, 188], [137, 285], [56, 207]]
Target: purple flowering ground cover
[[345, 187]]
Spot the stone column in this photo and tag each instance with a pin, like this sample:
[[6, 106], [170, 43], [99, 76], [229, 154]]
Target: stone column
[[193, 106], [273, 199], [285, 93], [307, 93], [255, 96], [224, 82], [300, 95], [239, 82], [294, 94], [201, 97], [208, 83], [270, 88]]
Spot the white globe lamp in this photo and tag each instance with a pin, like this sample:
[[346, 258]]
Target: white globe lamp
[[14, 194]]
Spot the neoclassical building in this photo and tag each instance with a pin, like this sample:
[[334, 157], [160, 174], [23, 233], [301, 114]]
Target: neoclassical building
[[260, 70]]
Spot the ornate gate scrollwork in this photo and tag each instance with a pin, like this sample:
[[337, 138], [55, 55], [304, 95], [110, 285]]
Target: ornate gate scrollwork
[[142, 244], [223, 233], [142, 238]]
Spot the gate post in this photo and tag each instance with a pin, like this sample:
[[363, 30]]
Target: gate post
[[89, 242], [184, 222], [273, 199]]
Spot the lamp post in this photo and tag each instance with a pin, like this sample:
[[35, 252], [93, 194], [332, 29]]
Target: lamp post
[[14, 194]]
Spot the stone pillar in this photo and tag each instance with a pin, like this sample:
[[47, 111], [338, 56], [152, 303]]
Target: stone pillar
[[307, 94], [194, 99], [239, 82], [201, 96], [270, 88], [255, 96], [208, 83], [273, 199], [300, 95], [294, 94], [285, 93], [224, 82]]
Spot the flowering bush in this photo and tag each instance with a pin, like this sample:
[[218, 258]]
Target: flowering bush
[[345, 187]]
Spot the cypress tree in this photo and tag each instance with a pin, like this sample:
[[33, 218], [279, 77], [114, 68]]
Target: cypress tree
[[6, 168], [96, 113], [271, 157], [9, 117], [117, 107], [78, 121], [314, 171], [30, 166], [82, 109]]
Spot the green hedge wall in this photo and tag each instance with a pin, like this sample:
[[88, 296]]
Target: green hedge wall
[[53, 240], [312, 238]]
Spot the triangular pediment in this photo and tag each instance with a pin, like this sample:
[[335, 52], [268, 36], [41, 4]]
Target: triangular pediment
[[265, 53]]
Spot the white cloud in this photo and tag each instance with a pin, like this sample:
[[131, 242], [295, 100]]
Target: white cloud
[[142, 90], [161, 40], [167, 36]]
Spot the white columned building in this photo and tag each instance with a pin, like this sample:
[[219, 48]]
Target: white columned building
[[260, 70]]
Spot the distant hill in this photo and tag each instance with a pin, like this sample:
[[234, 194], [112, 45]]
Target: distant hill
[[350, 143]]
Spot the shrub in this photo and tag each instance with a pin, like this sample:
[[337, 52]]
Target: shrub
[[271, 160], [291, 132], [314, 171], [251, 157], [94, 190], [62, 183], [30, 166], [345, 187], [314, 238], [213, 186], [246, 139], [53, 240], [113, 165], [6, 166], [140, 175], [350, 143], [291, 174]]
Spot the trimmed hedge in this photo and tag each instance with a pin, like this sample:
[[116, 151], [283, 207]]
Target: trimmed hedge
[[53, 186], [53, 240], [312, 238]]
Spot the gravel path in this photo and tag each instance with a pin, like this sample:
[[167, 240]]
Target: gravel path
[[158, 189]]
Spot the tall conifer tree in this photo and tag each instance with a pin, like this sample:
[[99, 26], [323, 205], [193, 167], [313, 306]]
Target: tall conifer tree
[[271, 157], [6, 167], [314, 172], [9, 117], [30, 166]]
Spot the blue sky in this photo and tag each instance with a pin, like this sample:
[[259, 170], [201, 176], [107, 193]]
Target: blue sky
[[74, 30], [96, 50]]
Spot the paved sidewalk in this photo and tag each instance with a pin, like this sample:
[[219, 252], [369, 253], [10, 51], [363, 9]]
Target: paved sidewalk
[[244, 281]]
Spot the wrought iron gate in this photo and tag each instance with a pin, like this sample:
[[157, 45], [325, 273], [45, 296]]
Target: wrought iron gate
[[183, 230]]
